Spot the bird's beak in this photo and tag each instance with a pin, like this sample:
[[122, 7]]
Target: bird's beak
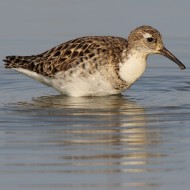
[[170, 56]]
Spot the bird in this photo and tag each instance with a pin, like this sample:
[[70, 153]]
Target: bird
[[94, 65]]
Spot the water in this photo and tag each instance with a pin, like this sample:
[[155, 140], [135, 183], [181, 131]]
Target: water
[[136, 141]]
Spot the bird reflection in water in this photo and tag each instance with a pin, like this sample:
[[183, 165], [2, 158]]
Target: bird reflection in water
[[99, 134]]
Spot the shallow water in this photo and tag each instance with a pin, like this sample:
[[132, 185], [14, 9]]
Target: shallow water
[[139, 140]]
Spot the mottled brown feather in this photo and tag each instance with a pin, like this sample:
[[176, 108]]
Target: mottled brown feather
[[70, 54]]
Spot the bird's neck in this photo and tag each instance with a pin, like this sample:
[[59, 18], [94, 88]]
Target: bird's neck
[[133, 66]]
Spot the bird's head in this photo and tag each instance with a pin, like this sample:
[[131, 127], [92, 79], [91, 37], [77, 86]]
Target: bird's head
[[148, 40]]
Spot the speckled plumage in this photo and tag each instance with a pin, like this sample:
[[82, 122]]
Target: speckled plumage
[[99, 57], [94, 49]]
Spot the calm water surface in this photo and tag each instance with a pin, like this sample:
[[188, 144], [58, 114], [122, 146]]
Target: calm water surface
[[136, 141]]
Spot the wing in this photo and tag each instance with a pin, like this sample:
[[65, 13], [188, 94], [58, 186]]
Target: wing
[[70, 54]]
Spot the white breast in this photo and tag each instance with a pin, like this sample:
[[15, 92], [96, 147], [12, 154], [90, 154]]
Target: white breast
[[133, 67]]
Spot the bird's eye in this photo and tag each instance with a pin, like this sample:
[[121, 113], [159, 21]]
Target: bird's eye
[[150, 39]]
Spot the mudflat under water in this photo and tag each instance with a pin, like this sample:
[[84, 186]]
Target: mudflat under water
[[139, 140]]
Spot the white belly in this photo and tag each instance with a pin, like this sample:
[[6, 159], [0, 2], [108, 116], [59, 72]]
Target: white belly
[[93, 85], [75, 85]]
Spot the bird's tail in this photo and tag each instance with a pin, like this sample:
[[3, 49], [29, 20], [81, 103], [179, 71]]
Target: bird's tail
[[24, 62]]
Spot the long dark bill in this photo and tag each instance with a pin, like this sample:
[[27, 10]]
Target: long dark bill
[[170, 56]]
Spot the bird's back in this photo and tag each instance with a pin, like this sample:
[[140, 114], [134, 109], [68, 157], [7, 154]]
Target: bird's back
[[70, 54]]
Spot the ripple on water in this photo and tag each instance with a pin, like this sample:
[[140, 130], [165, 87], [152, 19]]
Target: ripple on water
[[92, 139]]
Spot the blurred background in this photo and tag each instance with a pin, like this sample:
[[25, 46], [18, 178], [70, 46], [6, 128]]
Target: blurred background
[[56, 21]]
